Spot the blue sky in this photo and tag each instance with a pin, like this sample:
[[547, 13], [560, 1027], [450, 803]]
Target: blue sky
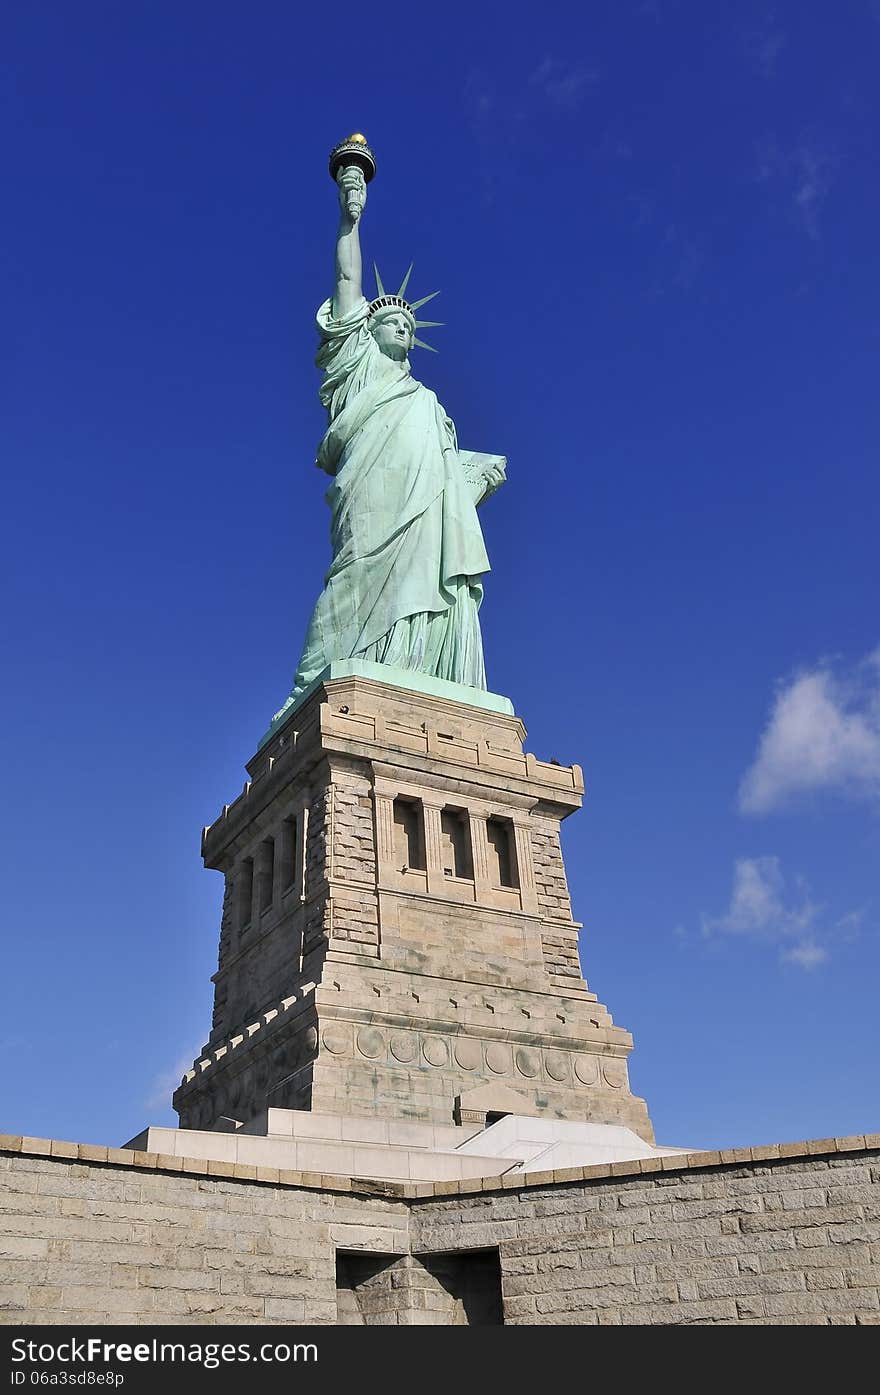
[[655, 226]]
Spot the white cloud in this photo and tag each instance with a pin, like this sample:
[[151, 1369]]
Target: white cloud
[[823, 733], [848, 926], [757, 904], [813, 175], [765, 908], [564, 85], [806, 956], [807, 170], [764, 45]]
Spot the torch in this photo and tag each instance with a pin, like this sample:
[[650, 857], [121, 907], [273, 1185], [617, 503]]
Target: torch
[[352, 151]]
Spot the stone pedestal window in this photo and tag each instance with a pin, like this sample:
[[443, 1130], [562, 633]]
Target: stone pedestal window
[[456, 856], [290, 855], [409, 835], [266, 880], [245, 892], [502, 853]]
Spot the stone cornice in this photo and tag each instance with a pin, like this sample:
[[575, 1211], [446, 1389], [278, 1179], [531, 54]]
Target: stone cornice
[[92, 1155]]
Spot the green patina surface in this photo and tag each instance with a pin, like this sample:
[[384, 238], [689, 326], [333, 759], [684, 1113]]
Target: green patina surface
[[404, 587]]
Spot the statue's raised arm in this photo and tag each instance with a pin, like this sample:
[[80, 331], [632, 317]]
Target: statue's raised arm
[[348, 288]]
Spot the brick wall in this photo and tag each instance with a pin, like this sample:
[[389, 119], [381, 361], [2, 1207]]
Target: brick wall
[[771, 1236], [762, 1239], [550, 881], [84, 1241]]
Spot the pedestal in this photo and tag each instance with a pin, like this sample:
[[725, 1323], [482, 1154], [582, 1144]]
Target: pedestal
[[397, 939]]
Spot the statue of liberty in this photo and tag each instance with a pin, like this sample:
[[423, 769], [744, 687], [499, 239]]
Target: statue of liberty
[[404, 586]]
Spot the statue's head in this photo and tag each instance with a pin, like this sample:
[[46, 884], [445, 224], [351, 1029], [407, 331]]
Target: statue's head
[[394, 329], [392, 320]]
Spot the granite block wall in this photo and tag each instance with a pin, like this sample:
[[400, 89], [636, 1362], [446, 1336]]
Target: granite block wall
[[770, 1236]]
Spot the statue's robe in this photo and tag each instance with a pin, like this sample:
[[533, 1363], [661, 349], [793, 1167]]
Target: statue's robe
[[404, 584]]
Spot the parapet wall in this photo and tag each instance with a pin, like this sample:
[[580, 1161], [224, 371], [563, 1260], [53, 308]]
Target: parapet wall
[[779, 1235]]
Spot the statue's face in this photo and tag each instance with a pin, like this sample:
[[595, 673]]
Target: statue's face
[[394, 334]]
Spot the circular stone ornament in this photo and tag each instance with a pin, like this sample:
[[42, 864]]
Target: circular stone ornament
[[404, 1048], [337, 1041], [370, 1043], [614, 1073], [498, 1058], [556, 1065], [528, 1063], [586, 1068], [435, 1051], [468, 1054]]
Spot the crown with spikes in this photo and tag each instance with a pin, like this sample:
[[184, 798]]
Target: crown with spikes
[[385, 301]]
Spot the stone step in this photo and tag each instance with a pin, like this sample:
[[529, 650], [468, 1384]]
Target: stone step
[[378, 1161], [544, 1145]]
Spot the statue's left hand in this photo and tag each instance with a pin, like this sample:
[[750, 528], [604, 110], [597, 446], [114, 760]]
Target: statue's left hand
[[495, 475], [484, 473]]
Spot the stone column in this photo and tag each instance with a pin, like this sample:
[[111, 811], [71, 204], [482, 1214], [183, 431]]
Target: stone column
[[433, 849], [479, 856], [383, 806], [525, 870]]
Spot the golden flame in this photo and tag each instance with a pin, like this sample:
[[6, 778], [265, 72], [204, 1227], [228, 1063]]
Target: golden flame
[[358, 138]]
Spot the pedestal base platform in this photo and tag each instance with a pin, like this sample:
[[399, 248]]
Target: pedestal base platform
[[392, 1150]]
